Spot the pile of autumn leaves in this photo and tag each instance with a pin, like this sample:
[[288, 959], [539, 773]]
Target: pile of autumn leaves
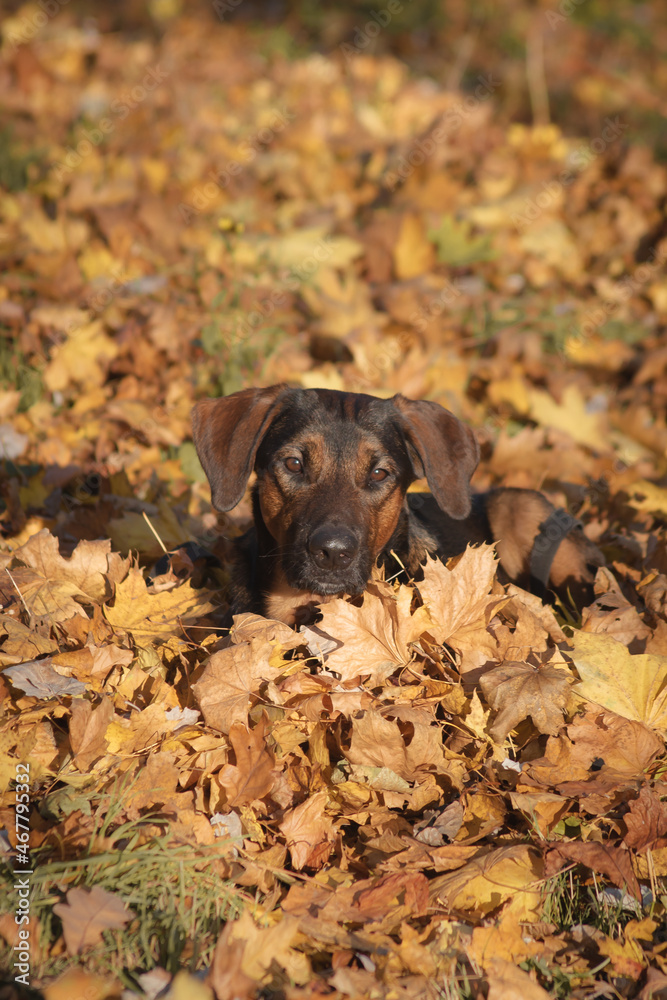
[[417, 759]]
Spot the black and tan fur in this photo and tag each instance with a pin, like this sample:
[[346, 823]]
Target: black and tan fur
[[330, 498]]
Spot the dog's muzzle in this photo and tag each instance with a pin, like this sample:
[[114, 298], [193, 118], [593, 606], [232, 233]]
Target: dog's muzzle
[[332, 562]]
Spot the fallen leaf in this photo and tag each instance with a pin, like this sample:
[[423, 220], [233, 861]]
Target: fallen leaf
[[377, 741], [307, 830], [646, 821], [39, 679], [458, 599], [519, 690], [232, 676], [264, 945], [373, 640], [154, 616], [614, 862], [507, 876], [86, 730], [506, 982], [632, 686], [413, 254], [88, 912], [253, 775]]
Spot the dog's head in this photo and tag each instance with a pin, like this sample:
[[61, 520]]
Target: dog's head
[[332, 472]]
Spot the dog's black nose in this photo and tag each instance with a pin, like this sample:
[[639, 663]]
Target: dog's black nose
[[332, 547]]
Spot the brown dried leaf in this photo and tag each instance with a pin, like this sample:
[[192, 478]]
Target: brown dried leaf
[[378, 742], [226, 974], [632, 686], [646, 821], [232, 676], [154, 616], [307, 830], [458, 599], [625, 748], [87, 913], [86, 569], [507, 876], [253, 775], [507, 982], [374, 639], [614, 862], [518, 690], [86, 730]]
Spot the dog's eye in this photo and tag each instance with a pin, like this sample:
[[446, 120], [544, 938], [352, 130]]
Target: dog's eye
[[294, 465], [377, 475]]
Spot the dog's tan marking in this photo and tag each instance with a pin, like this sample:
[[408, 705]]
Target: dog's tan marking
[[285, 604]]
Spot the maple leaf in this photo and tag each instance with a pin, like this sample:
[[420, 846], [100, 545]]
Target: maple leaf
[[87, 913], [632, 686], [614, 862], [646, 821], [307, 830], [570, 416], [154, 616], [253, 776], [82, 359], [22, 643], [264, 945], [518, 690], [506, 982], [413, 254], [544, 809], [504, 939], [374, 639], [49, 599], [86, 730], [156, 785], [377, 741], [226, 975], [92, 567], [507, 876], [232, 676], [625, 748], [49, 583], [459, 598]]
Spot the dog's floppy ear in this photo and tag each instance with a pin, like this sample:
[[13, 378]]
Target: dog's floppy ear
[[443, 449], [227, 433]]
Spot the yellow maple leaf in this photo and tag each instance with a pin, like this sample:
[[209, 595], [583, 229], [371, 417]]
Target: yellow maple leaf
[[507, 876], [82, 359], [570, 416], [413, 253], [373, 639], [458, 598], [154, 616], [632, 686]]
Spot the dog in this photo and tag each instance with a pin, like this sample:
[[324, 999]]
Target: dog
[[331, 498]]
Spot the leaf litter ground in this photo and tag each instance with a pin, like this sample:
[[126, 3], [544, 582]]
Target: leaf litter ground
[[449, 790]]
